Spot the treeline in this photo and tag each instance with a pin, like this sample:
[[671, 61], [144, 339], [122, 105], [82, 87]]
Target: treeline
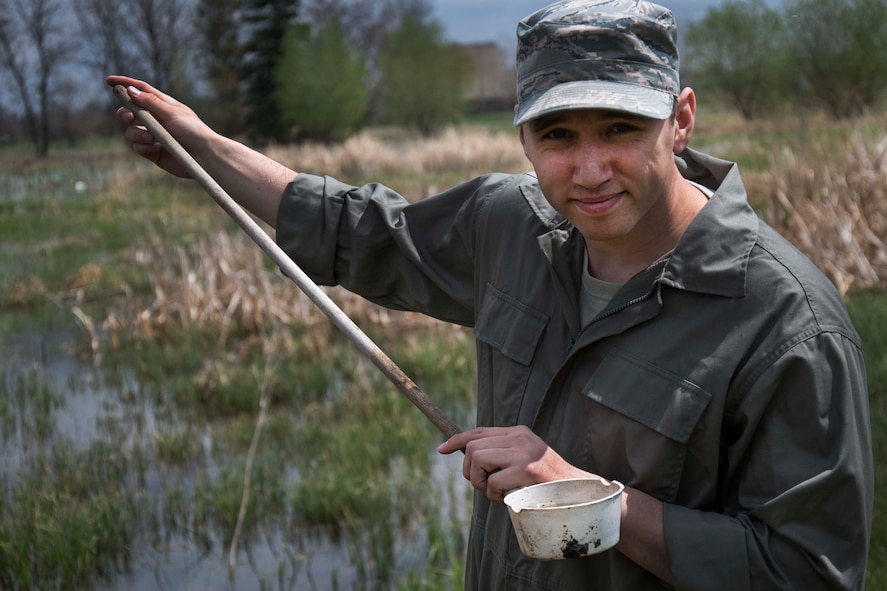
[[266, 70], [284, 70], [810, 54]]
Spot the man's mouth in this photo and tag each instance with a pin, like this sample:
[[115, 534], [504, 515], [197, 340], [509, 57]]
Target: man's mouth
[[598, 205]]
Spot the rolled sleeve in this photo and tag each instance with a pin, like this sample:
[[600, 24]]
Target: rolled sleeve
[[308, 221]]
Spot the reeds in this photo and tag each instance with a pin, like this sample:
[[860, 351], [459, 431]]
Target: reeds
[[222, 283], [416, 166], [69, 519], [832, 204]]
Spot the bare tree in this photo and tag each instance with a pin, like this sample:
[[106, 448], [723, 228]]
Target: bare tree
[[33, 47], [367, 24], [160, 31], [103, 24]]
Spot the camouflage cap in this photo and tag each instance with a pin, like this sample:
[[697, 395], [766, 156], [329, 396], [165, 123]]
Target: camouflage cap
[[597, 54]]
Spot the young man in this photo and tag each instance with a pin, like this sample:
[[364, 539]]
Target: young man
[[635, 320]]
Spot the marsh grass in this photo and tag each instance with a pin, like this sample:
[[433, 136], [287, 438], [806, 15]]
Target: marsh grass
[[360, 448], [27, 411], [869, 312], [833, 206], [68, 519], [192, 324], [414, 166]]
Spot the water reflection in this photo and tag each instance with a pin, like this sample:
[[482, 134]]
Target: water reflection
[[70, 427]]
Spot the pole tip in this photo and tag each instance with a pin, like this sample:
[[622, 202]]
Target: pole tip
[[120, 92]]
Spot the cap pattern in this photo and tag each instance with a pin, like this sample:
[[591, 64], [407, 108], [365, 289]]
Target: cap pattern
[[622, 52]]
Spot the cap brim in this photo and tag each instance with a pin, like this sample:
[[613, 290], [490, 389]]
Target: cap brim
[[597, 94]]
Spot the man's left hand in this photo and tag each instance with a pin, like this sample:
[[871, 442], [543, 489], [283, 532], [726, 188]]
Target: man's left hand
[[501, 459]]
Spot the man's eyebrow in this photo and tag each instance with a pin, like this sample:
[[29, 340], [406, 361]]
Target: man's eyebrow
[[547, 120]]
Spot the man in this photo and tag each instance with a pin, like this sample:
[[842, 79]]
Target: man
[[635, 320]]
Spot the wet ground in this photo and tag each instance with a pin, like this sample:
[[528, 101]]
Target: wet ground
[[89, 404]]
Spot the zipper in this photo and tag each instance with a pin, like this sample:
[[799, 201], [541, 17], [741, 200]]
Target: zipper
[[653, 286], [628, 304]]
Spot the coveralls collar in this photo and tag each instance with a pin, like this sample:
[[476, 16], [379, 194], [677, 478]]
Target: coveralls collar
[[704, 260]]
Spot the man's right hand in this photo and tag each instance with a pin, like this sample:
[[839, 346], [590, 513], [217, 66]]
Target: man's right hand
[[178, 119], [255, 181]]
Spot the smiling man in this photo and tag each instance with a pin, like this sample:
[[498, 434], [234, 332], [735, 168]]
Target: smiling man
[[635, 320], [613, 176]]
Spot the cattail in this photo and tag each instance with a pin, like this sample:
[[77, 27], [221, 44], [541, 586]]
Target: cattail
[[832, 204]]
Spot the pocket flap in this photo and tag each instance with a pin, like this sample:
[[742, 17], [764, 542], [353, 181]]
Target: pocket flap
[[648, 394], [509, 326]]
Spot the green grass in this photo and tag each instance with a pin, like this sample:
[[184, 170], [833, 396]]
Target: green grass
[[68, 520], [47, 243], [869, 312]]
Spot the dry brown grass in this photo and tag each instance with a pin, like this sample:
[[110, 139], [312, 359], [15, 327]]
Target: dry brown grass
[[21, 291], [220, 283], [463, 152], [832, 204]]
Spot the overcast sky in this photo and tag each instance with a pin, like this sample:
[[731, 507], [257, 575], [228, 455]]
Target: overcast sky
[[469, 21]]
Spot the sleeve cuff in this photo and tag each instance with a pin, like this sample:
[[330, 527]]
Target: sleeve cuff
[[705, 549]]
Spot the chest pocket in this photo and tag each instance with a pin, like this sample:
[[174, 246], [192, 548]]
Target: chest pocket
[[509, 332], [641, 420]]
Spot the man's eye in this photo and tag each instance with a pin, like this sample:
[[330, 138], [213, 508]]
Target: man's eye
[[556, 134], [622, 128]]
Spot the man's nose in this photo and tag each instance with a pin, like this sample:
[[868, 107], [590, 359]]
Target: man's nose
[[593, 166]]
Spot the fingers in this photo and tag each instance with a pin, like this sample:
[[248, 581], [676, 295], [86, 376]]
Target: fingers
[[136, 88], [460, 441], [114, 80], [500, 459], [176, 118], [140, 139], [162, 106], [139, 92], [135, 132], [485, 474], [496, 458]]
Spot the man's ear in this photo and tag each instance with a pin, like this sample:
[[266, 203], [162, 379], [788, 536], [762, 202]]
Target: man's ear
[[684, 120], [523, 142]]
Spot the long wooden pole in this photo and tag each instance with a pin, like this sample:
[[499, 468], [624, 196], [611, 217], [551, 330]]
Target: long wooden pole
[[291, 269]]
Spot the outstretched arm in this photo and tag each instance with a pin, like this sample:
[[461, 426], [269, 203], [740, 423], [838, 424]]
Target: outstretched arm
[[251, 178]]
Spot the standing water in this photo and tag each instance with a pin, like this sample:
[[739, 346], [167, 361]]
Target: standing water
[[128, 442]]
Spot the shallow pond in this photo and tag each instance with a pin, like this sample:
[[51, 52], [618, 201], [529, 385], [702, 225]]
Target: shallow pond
[[72, 416]]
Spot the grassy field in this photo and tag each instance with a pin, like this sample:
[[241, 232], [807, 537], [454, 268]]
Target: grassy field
[[233, 425], [869, 313]]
